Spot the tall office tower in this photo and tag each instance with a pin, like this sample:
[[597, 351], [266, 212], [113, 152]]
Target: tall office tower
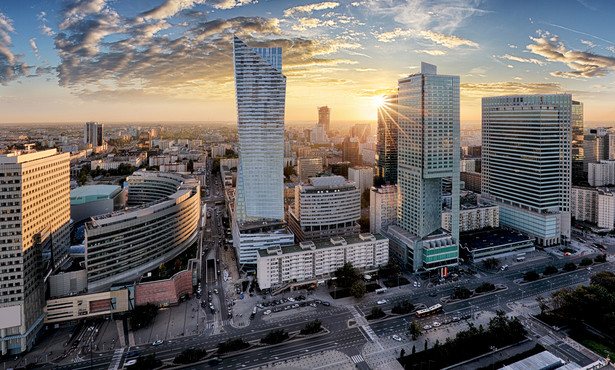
[[577, 141], [260, 88], [386, 148], [596, 146], [93, 134], [350, 151], [526, 163], [428, 151], [308, 167], [34, 218], [324, 118], [324, 208]]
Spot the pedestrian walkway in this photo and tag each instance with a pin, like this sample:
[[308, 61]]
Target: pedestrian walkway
[[364, 325], [115, 360], [326, 360], [357, 358], [120, 332]]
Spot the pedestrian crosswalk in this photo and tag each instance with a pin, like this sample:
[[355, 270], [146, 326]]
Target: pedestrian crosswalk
[[357, 358], [115, 360]]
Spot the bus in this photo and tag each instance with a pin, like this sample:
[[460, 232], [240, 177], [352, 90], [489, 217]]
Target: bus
[[381, 290], [436, 308]]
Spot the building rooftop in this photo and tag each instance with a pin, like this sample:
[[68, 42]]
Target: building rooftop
[[328, 181], [483, 239], [92, 193], [542, 360], [336, 242]]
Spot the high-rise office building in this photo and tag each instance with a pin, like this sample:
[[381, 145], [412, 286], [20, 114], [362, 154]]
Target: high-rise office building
[[428, 151], [350, 151], [596, 146], [324, 118], [324, 208], [308, 167], [577, 141], [526, 164], [34, 218], [260, 89], [93, 134], [386, 147]]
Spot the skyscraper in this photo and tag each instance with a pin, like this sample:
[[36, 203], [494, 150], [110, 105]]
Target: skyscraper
[[260, 89], [428, 151], [34, 218], [577, 141], [93, 134], [324, 117], [526, 163], [350, 151], [386, 147]]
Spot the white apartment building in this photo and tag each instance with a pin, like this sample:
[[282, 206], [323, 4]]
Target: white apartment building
[[382, 208], [601, 174], [593, 205], [277, 266], [34, 235], [362, 176], [473, 217], [308, 167]]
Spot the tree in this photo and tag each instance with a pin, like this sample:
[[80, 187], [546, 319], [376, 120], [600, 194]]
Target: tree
[[403, 307], [275, 337], [390, 270], [346, 275], [550, 270], [485, 287], [586, 261], [358, 289], [142, 316], [364, 224], [233, 344], [491, 263], [189, 356], [377, 313], [461, 292], [312, 327], [415, 330], [600, 258], [146, 363], [289, 171], [531, 275], [365, 198], [570, 266]]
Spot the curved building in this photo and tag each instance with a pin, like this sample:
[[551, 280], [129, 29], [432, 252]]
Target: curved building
[[121, 246]]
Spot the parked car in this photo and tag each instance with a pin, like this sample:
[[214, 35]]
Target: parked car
[[158, 342], [382, 301], [267, 312], [396, 337], [427, 327]]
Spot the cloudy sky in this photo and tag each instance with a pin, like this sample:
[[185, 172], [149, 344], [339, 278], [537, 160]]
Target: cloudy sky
[[171, 60]]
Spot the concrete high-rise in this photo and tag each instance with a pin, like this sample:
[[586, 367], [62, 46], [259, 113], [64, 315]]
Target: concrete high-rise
[[93, 134], [260, 89], [577, 141], [324, 118], [386, 147], [428, 151], [35, 222], [526, 164]]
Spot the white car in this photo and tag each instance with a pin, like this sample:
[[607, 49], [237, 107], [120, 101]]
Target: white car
[[291, 299], [158, 342], [130, 362], [267, 312], [436, 324], [396, 337], [382, 301], [427, 327], [415, 284]]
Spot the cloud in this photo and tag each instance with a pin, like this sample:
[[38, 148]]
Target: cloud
[[46, 30], [308, 9], [431, 52], [366, 69], [443, 16], [582, 64], [32, 42], [448, 41], [477, 90], [520, 59], [306, 23], [512, 46], [11, 66]]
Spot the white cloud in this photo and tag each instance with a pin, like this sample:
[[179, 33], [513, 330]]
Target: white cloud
[[520, 59], [308, 9], [431, 52], [32, 42], [448, 41]]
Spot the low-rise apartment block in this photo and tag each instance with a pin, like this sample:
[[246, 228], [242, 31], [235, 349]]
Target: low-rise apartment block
[[593, 205], [474, 217]]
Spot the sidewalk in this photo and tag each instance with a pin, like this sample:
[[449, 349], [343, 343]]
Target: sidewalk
[[329, 360]]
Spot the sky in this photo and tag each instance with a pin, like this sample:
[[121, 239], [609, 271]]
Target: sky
[[171, 60]]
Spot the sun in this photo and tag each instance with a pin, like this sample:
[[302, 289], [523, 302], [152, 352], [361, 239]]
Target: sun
[[378, 101]]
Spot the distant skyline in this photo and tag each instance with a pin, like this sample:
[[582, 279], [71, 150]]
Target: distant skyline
[[171, 60]]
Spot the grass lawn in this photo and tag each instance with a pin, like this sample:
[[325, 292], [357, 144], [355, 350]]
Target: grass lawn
[[601, 346]]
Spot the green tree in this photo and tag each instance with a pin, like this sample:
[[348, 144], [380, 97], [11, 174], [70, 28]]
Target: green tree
[[586, 261], [600, 258], [289, 171], [364, 224], [358, 289], [485, 287], [491, 263], [275, 337], [377, 313], [143, 315], [346, 275], [403, 307], [365, 198], [415, 330], [461, 292], [146, 363], [550, 270], [531, 275], [390, 270], [189, 356], [570, 266], [232, 344], [312, 327], [190, 166]]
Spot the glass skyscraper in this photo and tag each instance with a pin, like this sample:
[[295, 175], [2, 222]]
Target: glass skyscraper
[[526, 164], [260, 89], [577, 141], [386, 148]]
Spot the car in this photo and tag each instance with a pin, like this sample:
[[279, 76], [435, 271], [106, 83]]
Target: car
[[296, 305], [415, 284], [130, 362], [312, 304], [260, 305], [214, 361], [318, 301], [436, 324], [446, 321], [466, 316], [589, 268], [216, 291], [267, 312], [158, 342], [291, 299], [419, 284], [213, 311], [277, 309], [382, 301], [455, 319], [396, 337], [427, 327], [230, 314], [325, 303], [132, 354]]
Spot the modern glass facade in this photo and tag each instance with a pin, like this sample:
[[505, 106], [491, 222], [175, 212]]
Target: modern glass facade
[[526, 162], [386, 147], [577, 141], [260, 89]]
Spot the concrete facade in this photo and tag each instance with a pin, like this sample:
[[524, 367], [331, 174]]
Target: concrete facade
[[593, 205], [382, 208]]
